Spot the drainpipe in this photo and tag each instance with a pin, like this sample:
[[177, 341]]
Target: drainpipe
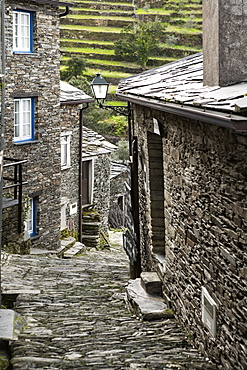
[[64, 13], [80, 170], [2, 129]]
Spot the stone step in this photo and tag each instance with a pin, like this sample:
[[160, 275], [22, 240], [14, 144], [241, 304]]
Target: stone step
[[91, 224], [74, 250], [144, 305], [64, 245], [11, 324], [151, 283], [92, 237]]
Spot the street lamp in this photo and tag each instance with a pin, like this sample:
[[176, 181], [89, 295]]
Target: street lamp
[[100, 88]]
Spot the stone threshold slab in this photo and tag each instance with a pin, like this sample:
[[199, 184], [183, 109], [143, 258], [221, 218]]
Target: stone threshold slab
[[144, 305], [74, 250], [11, 324]]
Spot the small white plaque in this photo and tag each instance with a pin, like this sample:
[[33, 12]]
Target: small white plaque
[[208, 311], [73, 209], [156, 126]]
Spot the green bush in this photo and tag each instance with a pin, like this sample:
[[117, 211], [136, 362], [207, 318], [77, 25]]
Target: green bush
[[139, 42]]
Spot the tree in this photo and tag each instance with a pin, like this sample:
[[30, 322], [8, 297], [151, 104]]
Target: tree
[[139, 42], [75, 67], [81, 83]]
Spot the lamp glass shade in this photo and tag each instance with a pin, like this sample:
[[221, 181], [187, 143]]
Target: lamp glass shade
[[99, 87]]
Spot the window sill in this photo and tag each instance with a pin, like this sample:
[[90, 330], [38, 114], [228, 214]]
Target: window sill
[[34, 237], [86, 205], [26, 142], [65, 168], [25, 53]]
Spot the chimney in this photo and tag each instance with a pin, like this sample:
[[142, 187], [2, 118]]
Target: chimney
[[224, 42]]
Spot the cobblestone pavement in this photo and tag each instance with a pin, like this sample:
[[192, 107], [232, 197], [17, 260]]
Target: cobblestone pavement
[[79, 319]]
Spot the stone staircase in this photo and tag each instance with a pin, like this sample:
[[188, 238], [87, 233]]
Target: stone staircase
[[144, 297], [90, 236]]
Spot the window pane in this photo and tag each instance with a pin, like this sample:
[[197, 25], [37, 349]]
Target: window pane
[[26, 118], [65, 147], [22, 31], [23, 119], [29, 217], [15, 30], [16, 117]]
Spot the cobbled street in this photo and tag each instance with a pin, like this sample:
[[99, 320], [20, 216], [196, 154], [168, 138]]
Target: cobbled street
[[79, 319]]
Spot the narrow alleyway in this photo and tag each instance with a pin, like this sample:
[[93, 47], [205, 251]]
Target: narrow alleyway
[[79, 319]]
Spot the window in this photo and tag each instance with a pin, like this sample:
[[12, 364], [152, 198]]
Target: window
[[87, 182], [30, 223], [22, 31], [23, 119], [65, 149]]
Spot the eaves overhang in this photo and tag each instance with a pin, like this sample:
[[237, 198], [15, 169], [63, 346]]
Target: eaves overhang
[[76, 102], [228, 120], [53, 2]]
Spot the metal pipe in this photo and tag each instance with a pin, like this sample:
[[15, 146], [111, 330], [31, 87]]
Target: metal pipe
[[65, 12], [80, 169], [2, 130], [20, 199]]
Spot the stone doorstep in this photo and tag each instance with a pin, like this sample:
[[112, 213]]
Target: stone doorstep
[[151, 282], [64, 243], [38, 251], [11, 324], [144, 305], [74, 250], [91, 237]]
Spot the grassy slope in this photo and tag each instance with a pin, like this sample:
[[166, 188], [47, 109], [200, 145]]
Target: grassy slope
[[95, 41]]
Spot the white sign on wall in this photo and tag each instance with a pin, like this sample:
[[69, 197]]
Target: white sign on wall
[[208, 311], [73, 209]]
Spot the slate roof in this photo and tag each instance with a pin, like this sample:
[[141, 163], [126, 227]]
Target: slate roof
[[179, 85], [72, 95], [53, 2], [117, 169], [94, 144]]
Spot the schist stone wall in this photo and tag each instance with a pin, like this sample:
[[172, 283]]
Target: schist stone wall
[[101, 192], [14, 242], [205, 215], [70, 124], [37, 75]]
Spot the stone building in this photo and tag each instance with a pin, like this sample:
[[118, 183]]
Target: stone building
[[61, 165], [82, 145], [189, 134], [32, 111], [119, 179]]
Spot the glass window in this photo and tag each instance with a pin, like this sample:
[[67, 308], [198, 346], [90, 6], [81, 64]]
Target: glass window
[[23, 119], [30, 223], [22, 31], [65, 150]]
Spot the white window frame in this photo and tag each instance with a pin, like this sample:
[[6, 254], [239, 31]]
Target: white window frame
[[65, 149], [30, 222], [23, 119], [91, 161], [209, 311], [22, 31]]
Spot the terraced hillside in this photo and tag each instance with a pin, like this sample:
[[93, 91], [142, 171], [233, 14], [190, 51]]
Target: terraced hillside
[[93, 25]]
